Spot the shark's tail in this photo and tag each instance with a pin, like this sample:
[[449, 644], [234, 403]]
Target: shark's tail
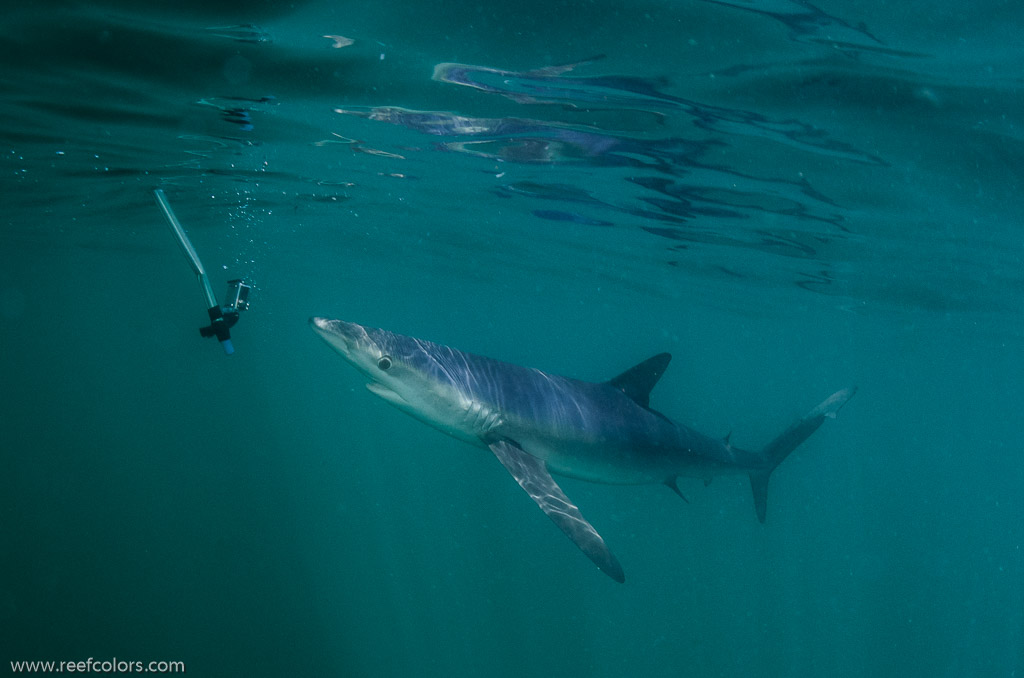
[[777, 450]]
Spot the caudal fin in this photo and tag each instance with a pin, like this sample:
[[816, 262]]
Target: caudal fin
[[777, 450]]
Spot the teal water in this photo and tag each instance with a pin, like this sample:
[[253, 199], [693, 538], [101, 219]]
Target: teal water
[[790, 198]]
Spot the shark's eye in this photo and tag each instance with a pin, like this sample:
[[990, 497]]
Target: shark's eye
[[384, 363]]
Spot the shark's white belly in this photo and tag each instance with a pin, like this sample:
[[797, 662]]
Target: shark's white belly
[[596, 461], [574, 455]]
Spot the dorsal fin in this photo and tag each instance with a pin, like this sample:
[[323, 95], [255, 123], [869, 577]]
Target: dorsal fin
[[637, 381]]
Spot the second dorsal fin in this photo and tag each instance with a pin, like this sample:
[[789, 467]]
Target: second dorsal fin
[[637, 381]]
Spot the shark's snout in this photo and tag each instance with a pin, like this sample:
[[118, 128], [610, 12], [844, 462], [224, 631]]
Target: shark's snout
[[328, 328], [329, 332], [348, 339]]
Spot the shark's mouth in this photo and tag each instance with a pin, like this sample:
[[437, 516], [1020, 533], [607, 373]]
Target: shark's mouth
[[379, 389]]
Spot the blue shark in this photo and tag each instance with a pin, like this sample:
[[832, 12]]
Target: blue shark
[[538, 424]]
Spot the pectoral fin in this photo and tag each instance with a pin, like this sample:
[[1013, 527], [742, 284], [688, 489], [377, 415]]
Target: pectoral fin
[[532, 475]]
